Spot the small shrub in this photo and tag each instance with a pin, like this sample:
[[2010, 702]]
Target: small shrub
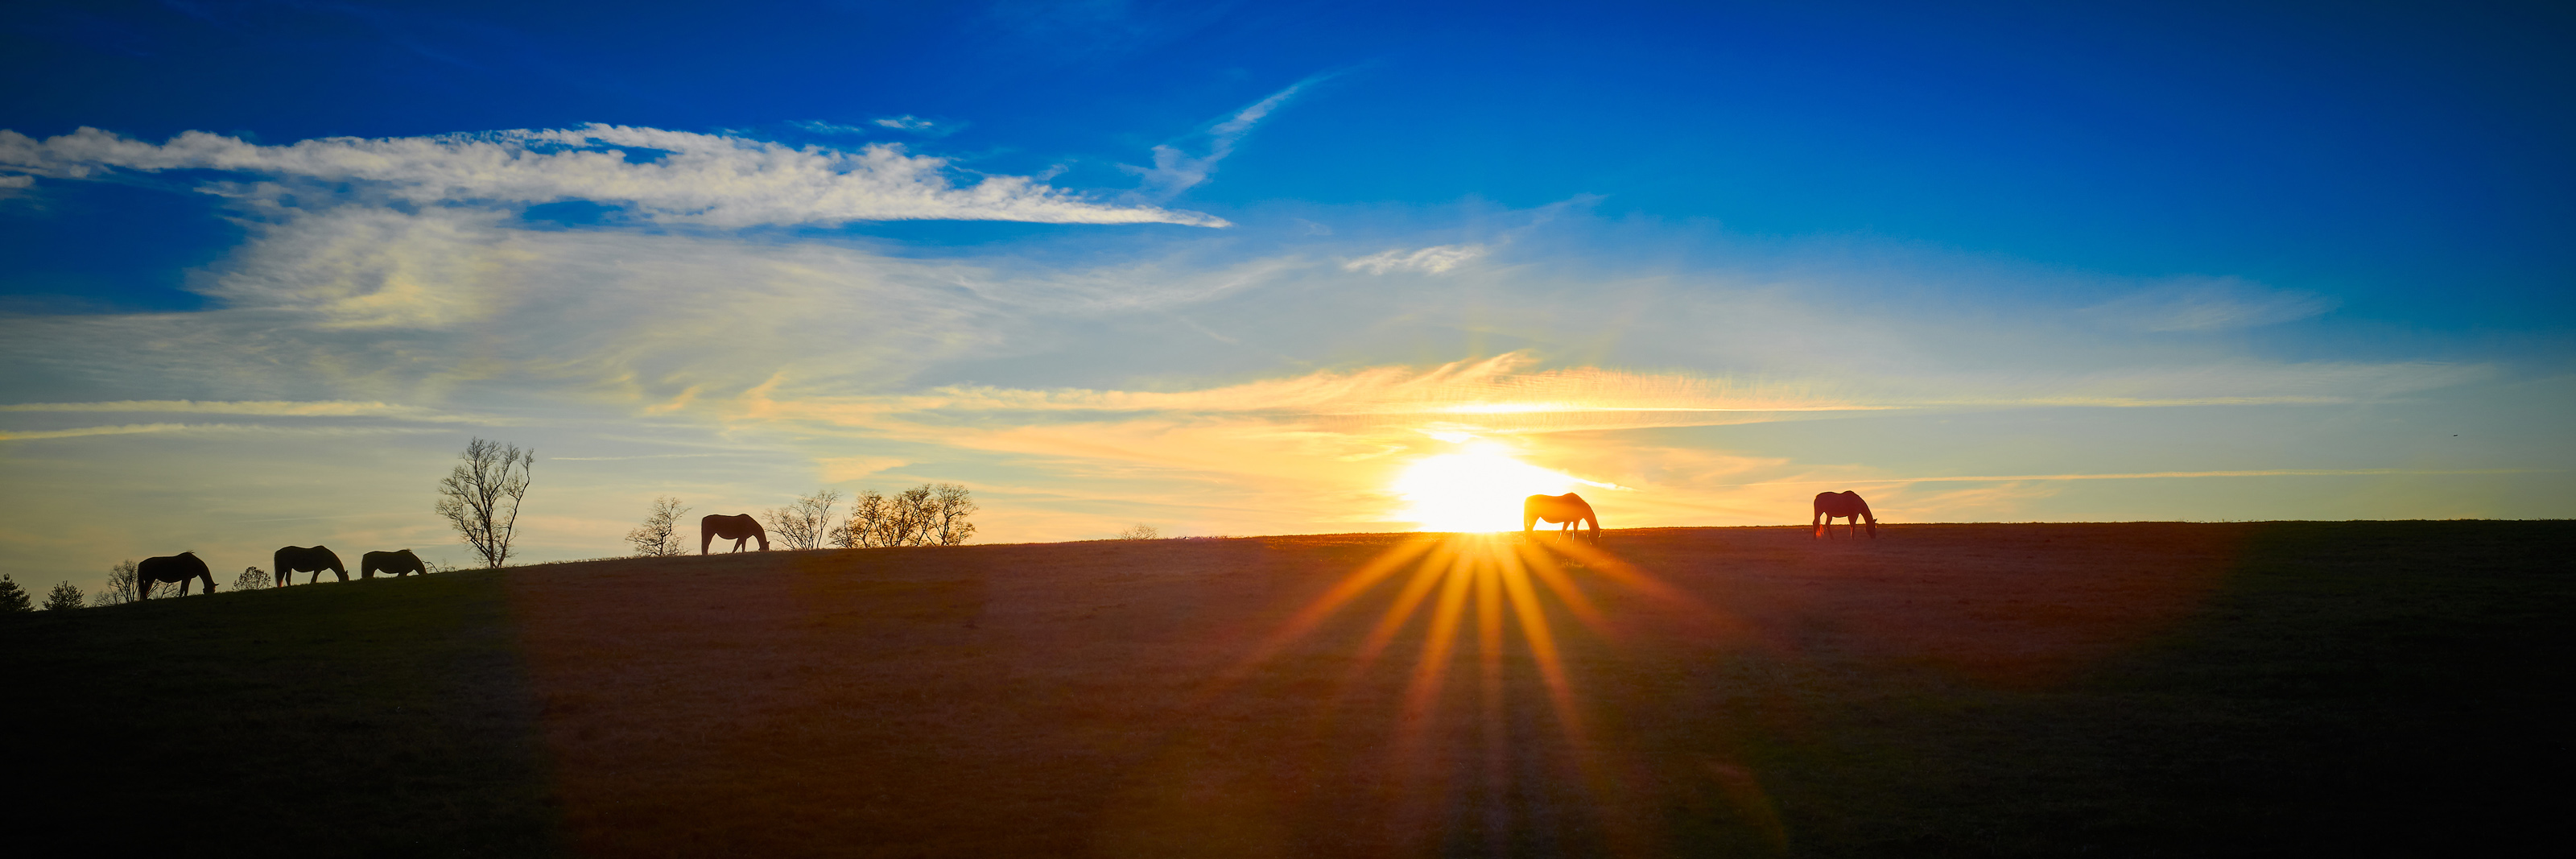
[[659, 536]]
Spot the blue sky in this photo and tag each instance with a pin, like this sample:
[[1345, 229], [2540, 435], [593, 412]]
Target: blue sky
[[1221, 267]]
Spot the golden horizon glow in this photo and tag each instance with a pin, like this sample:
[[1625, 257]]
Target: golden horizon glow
[[1478, 488]]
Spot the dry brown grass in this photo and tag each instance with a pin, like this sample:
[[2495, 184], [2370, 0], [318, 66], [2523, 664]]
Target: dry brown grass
[[2141, 689], [1062, 699]]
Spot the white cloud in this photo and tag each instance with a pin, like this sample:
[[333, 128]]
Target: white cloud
[[1437, 259], [2210, 304], [820, 127], [920, 126], [735, 371], [716, 180], [1176, 170]]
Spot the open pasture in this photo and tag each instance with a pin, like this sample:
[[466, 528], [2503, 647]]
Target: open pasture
[[2108, 689]]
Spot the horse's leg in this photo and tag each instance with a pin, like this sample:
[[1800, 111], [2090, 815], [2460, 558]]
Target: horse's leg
[[1814, 522]]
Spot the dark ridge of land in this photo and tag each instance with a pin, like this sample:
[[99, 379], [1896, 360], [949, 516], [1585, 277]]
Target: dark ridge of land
[[2042, 689]]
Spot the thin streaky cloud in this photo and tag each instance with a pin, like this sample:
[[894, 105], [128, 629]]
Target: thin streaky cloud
[[274, 408], [133, 429], [1176, 170], [711, 179], [122, 429], [2269, 472], [1438, 259], [920, 126], [2193, 304], [639, 456]]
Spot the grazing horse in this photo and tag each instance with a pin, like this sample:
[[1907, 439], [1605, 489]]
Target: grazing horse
[[1843, 504], [182, 568], [739, 529], [397, 563], [297, 559], [1567, 508]]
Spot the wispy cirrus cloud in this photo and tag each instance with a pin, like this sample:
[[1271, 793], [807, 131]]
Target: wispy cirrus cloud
[[920, 126], [269, 408], [1505, 390], [1437, 259], [2156, 475], [1176, 169], [2209, 304], [669, 176], [133, 429]]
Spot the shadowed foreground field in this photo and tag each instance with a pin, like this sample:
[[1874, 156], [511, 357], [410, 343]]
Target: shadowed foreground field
[[2147, 688]]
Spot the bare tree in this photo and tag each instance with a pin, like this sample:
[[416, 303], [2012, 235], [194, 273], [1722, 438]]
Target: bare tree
[[1142, 531], [659, 536], [951, 505], [925, 515], [481, 497], [253, 578], [806, 524], [866, 526], [63, 596], [911, 517], [120, 586]]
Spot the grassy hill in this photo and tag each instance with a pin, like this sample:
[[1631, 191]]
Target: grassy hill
[[2123, 689]]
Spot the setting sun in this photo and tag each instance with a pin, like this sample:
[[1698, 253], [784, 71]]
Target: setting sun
[[1478, 488]]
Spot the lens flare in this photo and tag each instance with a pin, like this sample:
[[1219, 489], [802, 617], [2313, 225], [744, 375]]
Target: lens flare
[[1492, 614], [1476, 489]]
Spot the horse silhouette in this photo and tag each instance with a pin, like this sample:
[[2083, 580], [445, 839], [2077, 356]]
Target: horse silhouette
[[297, 559], [1567, 508], [397, 563], [1844, 504], [739, 529], [182, 568]]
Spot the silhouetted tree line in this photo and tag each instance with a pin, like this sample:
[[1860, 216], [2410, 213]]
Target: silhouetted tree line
[[932, 514]]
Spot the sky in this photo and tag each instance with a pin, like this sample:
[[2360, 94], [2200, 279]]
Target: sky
[[1264, 268]]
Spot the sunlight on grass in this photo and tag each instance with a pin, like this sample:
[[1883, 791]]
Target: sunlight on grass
[[1489, 608]]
